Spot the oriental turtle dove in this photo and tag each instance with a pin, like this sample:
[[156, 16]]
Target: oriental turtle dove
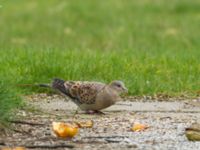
[[91, 95]]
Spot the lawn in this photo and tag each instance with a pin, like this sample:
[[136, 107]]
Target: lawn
[[9, 101], [152, 45]]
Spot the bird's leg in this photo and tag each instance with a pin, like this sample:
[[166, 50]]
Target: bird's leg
[[93, 112], [76, 112], [99, 112], [89, 112]]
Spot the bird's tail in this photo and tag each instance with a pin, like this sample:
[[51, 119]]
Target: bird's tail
[[32, 85], [58, 84]]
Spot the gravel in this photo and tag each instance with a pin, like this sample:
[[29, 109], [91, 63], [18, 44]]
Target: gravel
[[166, 120]]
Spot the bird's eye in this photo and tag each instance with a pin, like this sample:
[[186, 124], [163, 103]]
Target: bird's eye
[[118, 85]]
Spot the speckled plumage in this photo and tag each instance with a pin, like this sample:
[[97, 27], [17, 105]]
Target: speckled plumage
[[90, 95]]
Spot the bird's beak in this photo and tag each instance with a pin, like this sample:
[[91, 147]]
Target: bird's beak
[[125, 90]]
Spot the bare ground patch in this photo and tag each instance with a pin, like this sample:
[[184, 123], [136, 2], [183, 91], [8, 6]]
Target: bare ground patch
[[167, 121]]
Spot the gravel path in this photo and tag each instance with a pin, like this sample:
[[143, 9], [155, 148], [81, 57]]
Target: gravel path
[[167, 121]]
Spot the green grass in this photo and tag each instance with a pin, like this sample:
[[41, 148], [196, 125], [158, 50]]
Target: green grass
[[152, 45], [9, 101]]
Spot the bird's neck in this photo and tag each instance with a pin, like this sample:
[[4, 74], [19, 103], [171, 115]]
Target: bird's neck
[[114, 95]]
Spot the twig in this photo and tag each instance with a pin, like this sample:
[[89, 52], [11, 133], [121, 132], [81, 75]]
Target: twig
[[104, 137], [109, 139], [20, 131], [25, 122], [50, 146], [123, 104], [197, 104], [167, 117], [88, 142], [2, 143], [167, 111], [112, 141]]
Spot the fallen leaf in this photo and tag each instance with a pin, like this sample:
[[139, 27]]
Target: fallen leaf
[[139, 127], [64, 130], [193, 132], [85, 124], [193, 135]]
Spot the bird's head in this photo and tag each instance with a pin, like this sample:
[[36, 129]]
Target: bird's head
[[118, 86]]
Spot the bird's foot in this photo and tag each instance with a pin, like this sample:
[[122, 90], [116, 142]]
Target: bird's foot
[[94, 112], [74, 115]]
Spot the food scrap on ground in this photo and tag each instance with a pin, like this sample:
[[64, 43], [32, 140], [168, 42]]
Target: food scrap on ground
[[193, 132], [85, 124], [14, 148], [64, 130], [139, 127]]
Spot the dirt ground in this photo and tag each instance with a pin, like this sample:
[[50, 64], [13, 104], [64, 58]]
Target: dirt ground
[[167, 121]]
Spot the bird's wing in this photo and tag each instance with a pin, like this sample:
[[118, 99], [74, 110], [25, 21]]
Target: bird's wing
[[83, 92]]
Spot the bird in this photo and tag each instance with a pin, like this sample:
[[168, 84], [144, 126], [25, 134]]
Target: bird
[[90, 95]]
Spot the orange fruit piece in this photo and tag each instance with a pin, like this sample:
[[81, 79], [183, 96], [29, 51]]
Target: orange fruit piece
[[19, 148], [139, 127], [15, 148], [85, 124], [6, 148], [64, 130]]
